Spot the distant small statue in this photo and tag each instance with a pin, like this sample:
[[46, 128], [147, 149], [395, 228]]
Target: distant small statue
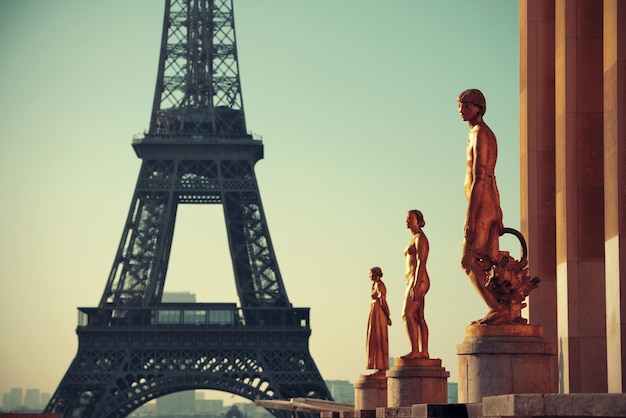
[[417, 284], [502, 282], [377, 344]]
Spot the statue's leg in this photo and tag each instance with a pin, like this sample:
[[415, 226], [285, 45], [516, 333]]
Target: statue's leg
[[423, 329], [410, 320], [475, 270]]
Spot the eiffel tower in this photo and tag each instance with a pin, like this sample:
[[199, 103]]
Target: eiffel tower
[[133, 347]]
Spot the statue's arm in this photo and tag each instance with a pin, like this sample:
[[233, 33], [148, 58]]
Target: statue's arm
[[480, 158], [421, 253], [384, 305]]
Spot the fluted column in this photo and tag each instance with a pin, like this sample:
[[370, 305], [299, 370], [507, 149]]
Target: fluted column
[[537, 163], [615, 189], [579, 155]]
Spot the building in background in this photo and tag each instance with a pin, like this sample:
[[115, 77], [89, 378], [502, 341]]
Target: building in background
[[453, 392], [6, 401], [179, 297], [208, 407], [32, 400], [341, 390], [45, 398], [179, 403], [13, 400]]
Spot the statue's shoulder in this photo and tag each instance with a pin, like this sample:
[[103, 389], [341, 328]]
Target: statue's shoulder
[[484, 130], [483, 135]]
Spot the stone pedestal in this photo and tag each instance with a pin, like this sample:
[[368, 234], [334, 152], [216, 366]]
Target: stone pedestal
[[505, 359], [556, 405], [416, 381], [370, 392]]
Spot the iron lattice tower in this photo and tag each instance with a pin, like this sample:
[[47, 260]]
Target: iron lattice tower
[[133, 347]]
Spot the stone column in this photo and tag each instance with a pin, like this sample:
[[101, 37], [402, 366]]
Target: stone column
[[370, 392], [505, 359], [416, 381], [615, 189], [580, 235], [537, 163]]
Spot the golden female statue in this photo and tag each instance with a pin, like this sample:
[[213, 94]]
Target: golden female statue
[[417, 284], [377, 346]]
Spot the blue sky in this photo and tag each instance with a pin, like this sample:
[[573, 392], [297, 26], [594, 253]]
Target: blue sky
[[356, 103]]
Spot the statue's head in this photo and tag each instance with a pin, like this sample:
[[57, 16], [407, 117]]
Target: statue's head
[[376, 271], [419, 216], [475, 97]]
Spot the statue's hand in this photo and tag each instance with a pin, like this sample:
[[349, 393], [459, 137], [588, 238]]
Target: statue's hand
[[389, 321]]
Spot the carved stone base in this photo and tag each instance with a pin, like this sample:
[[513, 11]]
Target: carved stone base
[[505, 359], [416, 381], [370, 392]]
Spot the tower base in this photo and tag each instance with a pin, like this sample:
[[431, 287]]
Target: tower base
[[505, 359], [416, 381]]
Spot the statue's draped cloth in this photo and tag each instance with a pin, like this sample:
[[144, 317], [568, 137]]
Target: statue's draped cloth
[[377, 348]]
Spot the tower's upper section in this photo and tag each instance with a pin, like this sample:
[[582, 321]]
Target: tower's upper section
[[198, 90]]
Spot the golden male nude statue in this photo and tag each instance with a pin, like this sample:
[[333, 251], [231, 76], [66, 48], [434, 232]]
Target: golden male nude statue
[[483, 220]]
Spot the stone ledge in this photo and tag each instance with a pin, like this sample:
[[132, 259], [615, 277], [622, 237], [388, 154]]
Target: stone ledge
[[405, 372], [514, 330], [420, 362], [556, 405], [363, 413], [505, 345], [474, 410], [396, 412], [430, 410]]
